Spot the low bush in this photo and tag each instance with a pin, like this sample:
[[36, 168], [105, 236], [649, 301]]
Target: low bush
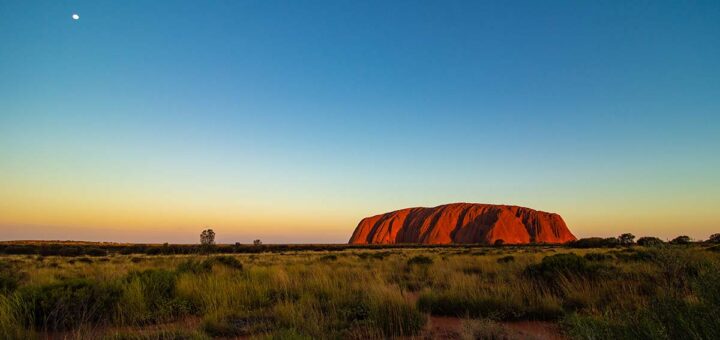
[[84, 260], [391, 313], [10, 277], [329, 257], [681, 240], [95, 252], [663, 319], [595, 242], [195, 267], [450, 303], [380, 255], [506, 259], [19, 250], [598, 257], [554, 267], [649, 241], [420, 260], [473, 270], [68, 304], [637, 256], [152, 294], [205, 266], [224, 260], [70, 251]]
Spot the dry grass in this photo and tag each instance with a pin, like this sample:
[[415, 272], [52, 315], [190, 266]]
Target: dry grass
[[359, 293]]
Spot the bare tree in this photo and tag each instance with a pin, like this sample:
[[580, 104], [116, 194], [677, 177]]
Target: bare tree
[[257, 242]]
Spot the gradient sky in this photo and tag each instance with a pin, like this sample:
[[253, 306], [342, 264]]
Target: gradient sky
[[290, 121]]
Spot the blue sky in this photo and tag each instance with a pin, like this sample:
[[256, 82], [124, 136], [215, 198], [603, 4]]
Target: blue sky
[[293, 120]]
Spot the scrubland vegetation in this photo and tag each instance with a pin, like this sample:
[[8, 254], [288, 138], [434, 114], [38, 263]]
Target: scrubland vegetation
[[640, 292]]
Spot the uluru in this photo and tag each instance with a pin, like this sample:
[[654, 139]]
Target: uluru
[[463, 223]]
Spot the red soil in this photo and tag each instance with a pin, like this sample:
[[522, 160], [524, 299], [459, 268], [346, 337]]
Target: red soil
[[440, 327]]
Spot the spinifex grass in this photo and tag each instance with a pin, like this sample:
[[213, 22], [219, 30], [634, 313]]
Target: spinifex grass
[[636, 292]]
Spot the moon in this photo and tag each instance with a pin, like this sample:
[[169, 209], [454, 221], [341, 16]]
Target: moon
[[75, 17]]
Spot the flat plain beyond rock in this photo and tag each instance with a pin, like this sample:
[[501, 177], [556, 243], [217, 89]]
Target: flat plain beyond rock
[[463, 223]]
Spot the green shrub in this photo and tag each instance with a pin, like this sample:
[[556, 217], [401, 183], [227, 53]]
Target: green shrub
[[10, 277], [420, 260], [84, 260], [598, 257], [329, 257], [681, 240], [665, 318], [389, 312], [506, 259], [649, 241], [685, 304], [68, 304], [70, 251], [494, 307], [595, 242], [378, 255], [95, 252], [19, 250], [200, 267], [224, 260], [473, 270], [195, 267], [637, 256], [626, 239], [568, 265], [158, 298], [595, 327]]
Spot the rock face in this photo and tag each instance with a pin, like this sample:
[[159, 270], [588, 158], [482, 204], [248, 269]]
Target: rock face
[[463, 223]]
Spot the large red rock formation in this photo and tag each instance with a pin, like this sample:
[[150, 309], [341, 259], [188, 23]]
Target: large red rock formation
[[463, 223]]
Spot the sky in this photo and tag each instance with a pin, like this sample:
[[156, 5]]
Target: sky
[[289, 121]]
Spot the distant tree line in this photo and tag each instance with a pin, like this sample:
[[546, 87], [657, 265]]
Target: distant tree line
[[60, 249], [628, 239], [208, 245]]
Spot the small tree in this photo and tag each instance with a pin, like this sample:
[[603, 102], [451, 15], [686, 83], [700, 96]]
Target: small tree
[[714, 238], [257, 243], [207, 237], [626, 239], [499, 242], [649, 241], [681, 240]]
